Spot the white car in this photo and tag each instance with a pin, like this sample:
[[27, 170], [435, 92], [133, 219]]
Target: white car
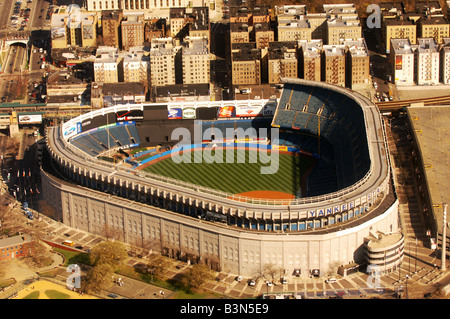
[[239, 278], [331, 280]]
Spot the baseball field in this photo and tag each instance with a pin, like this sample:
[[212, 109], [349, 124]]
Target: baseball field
[[242, 175]]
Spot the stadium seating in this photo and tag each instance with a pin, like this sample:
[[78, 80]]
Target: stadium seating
[[341, 121], [97, 141]]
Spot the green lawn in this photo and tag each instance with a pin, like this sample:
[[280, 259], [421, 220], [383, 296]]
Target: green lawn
[[238, 177]]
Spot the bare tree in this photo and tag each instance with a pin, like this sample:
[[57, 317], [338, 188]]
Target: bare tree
[[197, 276]]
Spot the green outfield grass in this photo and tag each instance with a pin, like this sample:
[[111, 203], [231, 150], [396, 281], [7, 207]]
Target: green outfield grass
[[239, 177]]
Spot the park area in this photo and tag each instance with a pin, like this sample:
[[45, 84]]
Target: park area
[[44, 289]]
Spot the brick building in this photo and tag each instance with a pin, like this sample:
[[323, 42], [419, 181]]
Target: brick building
[[16, 246]]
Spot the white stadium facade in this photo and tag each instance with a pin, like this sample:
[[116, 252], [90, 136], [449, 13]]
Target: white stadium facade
[[309, 235]]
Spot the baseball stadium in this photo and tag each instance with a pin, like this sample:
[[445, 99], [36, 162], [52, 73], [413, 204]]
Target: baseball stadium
[[300, 182]]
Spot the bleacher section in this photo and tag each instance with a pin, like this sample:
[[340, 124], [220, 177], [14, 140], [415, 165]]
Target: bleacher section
[[219, 127], [99, 140], [331, 116]]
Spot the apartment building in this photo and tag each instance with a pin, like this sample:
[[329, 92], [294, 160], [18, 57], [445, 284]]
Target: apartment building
[[108, 65], [427, 62], [199, 26], [318, 24], [311, 59], [445, 62], [245, 64], [111, 22], [136, 66], [282, 61], [132, 31], [433, 27], [263, 35], [178, 19], [402, 61], [260, 14], [67, 30], [239, 32], [195, 60], [294, 29], [240, 15], [358, 64], [333, 66], [341, 29], [162, 61], [398, 28]]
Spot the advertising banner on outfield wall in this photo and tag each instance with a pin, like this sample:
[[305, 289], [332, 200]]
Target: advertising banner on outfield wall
[[226, 111], [248, 110], [175, 114], [71, 130], [189, 113], [132, 115]]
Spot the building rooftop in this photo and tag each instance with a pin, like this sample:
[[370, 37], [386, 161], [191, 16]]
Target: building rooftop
[[15, 240], [282, 50], [162, 46], [195, 46], [333, 50], [290, 10], [301, 22], [339, 22], [401, 46], [392, 7], [106, 54], [401, 20], [427, 45], [433, 20], [111, 15], [357, 48], [245, 52], [125, 88], [381, 240], [428, 7], [311, 49]]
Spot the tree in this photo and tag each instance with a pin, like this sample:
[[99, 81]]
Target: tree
[[98, 278], [112, 253], [197, 276], [106, 257], [157, 265]]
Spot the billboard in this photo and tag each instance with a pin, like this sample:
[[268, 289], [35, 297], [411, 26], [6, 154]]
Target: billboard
[[398, 62], [189, 113], [133, 115], [30, 119], [226, 111], [248, 110], [71, 130], [175, 114]]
